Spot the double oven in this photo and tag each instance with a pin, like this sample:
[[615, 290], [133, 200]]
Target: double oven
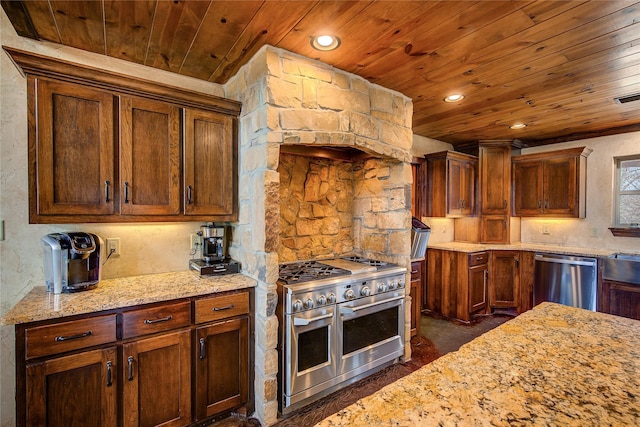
[[340, 320]]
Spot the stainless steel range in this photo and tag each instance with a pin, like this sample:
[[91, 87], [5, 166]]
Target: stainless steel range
[[340, 320]]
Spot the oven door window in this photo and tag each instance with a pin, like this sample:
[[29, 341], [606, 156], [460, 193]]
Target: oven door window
[[313, 348], [369, 329]]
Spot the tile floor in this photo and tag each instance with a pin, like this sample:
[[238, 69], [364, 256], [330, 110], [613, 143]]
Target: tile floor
[[437, 337]]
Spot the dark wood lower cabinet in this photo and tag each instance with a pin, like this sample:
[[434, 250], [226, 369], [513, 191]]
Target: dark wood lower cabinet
[[621, 299], [167, 364], [222, 366], [80, 389], [156, 376]]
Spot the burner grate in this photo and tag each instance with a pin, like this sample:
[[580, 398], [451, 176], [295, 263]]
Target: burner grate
[[306, 271], [368, 261]]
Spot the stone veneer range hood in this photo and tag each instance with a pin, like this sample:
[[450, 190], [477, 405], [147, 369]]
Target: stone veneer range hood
[[344, 202]]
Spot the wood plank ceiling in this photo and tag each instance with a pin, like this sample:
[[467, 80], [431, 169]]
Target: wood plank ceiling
[[553, 65]]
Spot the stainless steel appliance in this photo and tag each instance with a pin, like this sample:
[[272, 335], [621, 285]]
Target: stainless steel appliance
[[340, 320], [214, 252], [71, 261], [568, 280], [623, 268], [420, 233]]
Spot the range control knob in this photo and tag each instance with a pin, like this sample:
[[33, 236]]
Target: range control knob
[[365, 291], [349, 294], [297, 305], [322, 300], [393, 284], [308, 303], [400, 284], [331, 298]]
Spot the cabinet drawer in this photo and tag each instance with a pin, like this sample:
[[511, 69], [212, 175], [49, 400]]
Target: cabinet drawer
[[156, 319], [416, 271], [67, 336], [478, 258], [220, 307]]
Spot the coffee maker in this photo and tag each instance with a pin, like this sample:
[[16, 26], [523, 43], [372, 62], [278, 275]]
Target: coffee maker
[[71, 261], [213, 243]]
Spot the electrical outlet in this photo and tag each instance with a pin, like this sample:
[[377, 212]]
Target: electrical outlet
[[195, 242], [594, 232], [113, 246], [545, 229]]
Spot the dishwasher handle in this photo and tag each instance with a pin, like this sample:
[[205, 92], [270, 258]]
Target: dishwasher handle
[[584, 261]]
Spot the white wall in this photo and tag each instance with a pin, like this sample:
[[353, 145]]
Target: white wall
[[600, 173], [145, 248]]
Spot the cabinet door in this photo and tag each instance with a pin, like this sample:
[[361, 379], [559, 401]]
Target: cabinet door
[[80, 389], [455, 192], [495, 179], [210, 163], [157, 381], [478, 279], [72, 148], [527, 188], [494, 229], [415, 292], [560, 187], [621, 299], [222, 367], [505, 279], [468, 188], [149, 157]]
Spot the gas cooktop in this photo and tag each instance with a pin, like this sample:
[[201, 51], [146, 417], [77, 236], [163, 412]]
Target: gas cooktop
[[306, 271]]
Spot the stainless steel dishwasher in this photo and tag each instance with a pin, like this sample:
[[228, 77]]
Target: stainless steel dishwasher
[[568, 280]]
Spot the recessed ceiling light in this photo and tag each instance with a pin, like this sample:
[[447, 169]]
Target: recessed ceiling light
[[456, 97], [518, 126], [325, 42]]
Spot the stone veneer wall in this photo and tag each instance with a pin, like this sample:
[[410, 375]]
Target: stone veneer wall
[[289, 99], [316, 208]]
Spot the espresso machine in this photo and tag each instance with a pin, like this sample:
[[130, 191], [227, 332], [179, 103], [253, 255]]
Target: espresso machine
[[213, 244]]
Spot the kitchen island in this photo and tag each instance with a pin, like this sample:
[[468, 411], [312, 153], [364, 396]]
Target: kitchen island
[[553, 365]]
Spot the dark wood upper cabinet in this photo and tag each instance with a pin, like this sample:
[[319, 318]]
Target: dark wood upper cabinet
[[149, 157], [551, 184], [495, 189], [105, 147], [451, 184], [72, 147], [210, 163]]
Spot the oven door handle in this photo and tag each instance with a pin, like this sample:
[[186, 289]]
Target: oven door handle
[[350, 310], [301, 321]]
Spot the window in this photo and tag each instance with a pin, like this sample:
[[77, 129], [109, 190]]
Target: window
[[627, 192]]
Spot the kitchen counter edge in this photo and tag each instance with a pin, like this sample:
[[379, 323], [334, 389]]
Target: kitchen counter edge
[[121, 292], [531, 247]]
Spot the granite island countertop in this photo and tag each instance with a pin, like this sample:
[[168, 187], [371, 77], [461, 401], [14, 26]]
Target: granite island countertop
[[110, 294], [551, 366]]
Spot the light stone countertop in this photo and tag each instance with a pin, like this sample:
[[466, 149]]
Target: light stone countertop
[[533, 247], [38, 304], [551, 366]]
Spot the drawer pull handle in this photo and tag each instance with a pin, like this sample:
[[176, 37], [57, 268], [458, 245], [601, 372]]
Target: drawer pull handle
[[414, 271], [109, 375], [228, 307], [202, 349], [73, 337], [130, 368], [164, 319]]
